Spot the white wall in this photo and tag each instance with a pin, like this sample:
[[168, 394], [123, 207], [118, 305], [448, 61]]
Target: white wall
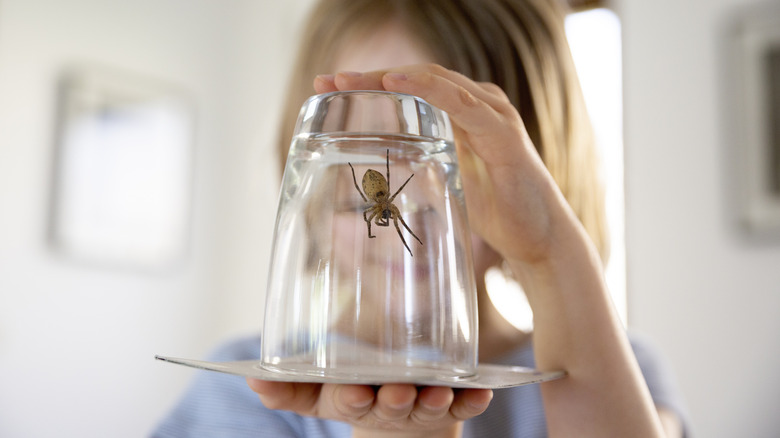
[[709, 297], [77, 341]]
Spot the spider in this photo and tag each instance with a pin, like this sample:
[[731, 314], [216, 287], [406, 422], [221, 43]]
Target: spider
[[377, 189]]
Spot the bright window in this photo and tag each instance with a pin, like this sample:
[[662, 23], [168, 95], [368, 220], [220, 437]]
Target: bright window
[[594, 38]]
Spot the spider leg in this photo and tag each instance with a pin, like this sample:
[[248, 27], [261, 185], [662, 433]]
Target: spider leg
[[369, 219], [354, 179], [383, 220], [388, 169], [396, 214], [397, 228], [399, 190], [406, 226]]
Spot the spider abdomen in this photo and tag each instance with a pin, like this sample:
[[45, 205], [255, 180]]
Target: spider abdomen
[[375, 185]]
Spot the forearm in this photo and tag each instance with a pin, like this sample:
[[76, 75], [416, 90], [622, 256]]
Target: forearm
[[576, 329]]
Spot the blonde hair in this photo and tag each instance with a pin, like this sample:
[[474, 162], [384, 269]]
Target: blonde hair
[[519, 45]]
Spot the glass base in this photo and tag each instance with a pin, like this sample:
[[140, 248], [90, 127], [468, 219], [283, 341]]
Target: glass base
[[379, 373]]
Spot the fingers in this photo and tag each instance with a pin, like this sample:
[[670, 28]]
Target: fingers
[[348, 81], [470, 403], [482, 113], [340, 402], [428, 407], [480, 110], [472, 114], [433, 404], [324, 84], [348, 401], [490, 93], [392, 407], [297, 397], [394, 402]]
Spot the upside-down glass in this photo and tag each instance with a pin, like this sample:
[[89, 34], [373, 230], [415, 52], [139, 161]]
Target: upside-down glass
[[371, 277]]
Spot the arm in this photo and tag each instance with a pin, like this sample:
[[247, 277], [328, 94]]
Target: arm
[[671, 422], [516, 207], [576, 330]]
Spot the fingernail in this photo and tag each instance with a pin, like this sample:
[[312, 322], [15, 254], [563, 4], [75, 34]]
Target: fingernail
[[326, 78], [361, 404], [432, 408], [397, 76], [483, 405], [401, 406]]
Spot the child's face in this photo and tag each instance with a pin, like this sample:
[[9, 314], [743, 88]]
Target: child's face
[[390, 46], [382, 307]]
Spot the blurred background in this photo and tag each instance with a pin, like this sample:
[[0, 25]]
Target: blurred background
[[82, 314]]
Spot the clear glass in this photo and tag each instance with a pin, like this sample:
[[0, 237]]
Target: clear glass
[[401, 302]]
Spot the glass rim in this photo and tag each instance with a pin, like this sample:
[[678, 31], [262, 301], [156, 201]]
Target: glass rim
[[414, 115]]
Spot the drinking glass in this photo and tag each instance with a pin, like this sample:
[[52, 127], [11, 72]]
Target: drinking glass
[[371, 278], [371, 271]]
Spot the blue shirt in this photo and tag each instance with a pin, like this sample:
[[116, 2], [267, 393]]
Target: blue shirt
[[222, 405]]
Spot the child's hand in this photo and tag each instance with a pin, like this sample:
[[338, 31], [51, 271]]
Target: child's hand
[[513, 202], [427, 411]]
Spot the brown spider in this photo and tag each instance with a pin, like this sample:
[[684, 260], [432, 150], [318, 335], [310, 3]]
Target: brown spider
[[377, 189]]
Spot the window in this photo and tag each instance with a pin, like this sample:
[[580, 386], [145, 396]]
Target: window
[[594, 38]]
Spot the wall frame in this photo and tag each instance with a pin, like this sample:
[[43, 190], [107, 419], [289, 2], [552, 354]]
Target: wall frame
[[754, 62], [121, 189]]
